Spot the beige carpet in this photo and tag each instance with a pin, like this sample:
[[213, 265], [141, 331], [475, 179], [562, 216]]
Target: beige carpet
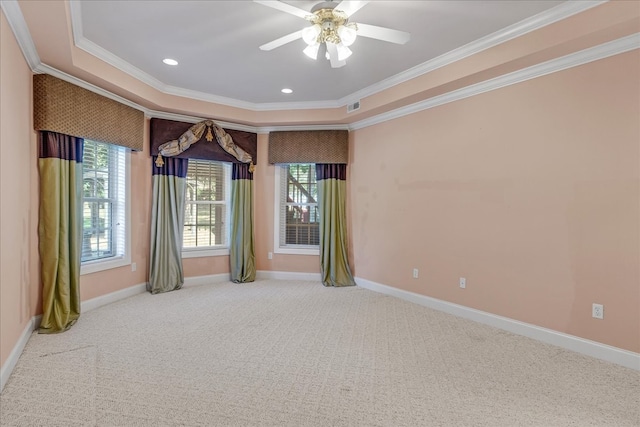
[[279, 353]]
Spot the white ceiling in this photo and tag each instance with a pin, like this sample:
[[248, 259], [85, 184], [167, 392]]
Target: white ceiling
[[216, 44]]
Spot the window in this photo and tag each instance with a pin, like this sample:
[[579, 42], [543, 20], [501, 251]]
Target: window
[[297, 209], [207, 204], [104, 206]]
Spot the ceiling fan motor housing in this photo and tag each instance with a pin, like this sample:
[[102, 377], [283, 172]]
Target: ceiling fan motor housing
[[324, 5]]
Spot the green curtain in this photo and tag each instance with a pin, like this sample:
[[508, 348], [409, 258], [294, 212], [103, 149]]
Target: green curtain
[[167, 224], [242, 251], [332, 190], [60, 229]]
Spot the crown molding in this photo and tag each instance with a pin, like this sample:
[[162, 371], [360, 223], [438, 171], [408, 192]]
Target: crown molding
[[242, 127], [555, 14], [46, 69], [267, 129], [99, 52], [525, 26], [18, 25], [585, 56], [193, 119]]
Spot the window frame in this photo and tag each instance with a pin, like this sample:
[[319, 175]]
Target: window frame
[[124, 259], [219, 250], [278, 247]]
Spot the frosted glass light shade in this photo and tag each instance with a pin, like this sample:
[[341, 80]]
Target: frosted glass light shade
[[312, 50], [310, 34], [347, 34], [343, 52]]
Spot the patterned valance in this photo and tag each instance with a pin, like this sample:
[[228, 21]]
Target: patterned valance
[[65, 108], [204, 140], [313, 146]]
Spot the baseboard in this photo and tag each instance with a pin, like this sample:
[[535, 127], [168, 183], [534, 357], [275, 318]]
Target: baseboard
[[206, 280], [112, 297], [12, 360], [605, 352], [286, 275]]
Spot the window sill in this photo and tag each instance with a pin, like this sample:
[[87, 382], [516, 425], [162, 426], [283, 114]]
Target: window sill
[[104, 264], [204, 252], [297, 251]]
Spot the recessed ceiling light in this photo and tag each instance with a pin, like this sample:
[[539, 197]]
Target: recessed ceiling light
[[287, 90], [170, 61]]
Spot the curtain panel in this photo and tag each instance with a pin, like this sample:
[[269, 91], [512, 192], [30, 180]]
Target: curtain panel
[[242, 250], [167, 225], [60, 229], [172, 140], [332, 190], [65, 108]]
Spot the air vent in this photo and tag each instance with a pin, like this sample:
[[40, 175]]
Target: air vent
[[353, 107]]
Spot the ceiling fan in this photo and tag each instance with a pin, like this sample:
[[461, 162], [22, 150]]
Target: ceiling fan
[[331, 29]]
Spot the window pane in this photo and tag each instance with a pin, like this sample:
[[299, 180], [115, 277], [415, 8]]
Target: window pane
[[101, 169], [301, 226], [206, 205]]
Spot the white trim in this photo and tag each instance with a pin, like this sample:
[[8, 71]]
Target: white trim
[[277, 248], [287, 275], [562, 11], [90, 267], [203, 252], [46, 69], [580, 345], [125, 259], [533, 23], [112, 297], [595, 53], [18, 25], [547, 17], [302, 250], [236, 126], [267, 129], [206, 280], [193, 119], [12, 360], [99, 52], [585, 56], [34, 324]]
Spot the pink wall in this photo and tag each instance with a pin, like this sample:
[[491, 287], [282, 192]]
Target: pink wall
[[18, 272], [531, 192]]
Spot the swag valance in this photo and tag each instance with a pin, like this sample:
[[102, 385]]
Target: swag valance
[[204, 140]]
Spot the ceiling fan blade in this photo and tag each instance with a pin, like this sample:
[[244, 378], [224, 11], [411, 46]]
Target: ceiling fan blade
[[284, 7], [382, 33], [351, 6], [333, 56], [282, 41]]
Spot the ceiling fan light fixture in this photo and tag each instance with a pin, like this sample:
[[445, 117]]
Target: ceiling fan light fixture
[[348, 33], [312, 50], [310, 34], [343, 52]]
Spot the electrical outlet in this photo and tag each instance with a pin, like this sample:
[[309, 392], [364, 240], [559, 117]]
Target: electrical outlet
[[463, 282], [134, 266], [415, 273], [597, 311], [270, 255]]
